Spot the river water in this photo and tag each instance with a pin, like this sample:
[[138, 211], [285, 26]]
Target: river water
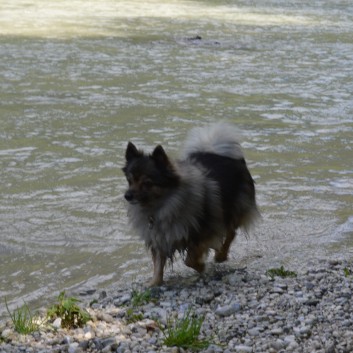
[[81, 78]]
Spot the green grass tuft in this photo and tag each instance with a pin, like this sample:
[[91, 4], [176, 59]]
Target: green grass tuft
[[132, 316], [23, 320], [280, 272], [347, 272], [184, 332], [71, 314], [139, 298]]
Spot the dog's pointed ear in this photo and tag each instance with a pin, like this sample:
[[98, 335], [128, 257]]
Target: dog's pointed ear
[[160, 157], [132, 152]]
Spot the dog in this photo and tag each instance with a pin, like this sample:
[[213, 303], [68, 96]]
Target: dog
[[192, 204]]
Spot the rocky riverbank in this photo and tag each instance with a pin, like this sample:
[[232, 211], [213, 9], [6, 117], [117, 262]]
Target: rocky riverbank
[[244, 311]]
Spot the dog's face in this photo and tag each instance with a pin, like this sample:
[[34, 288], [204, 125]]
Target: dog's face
[[150, 177]]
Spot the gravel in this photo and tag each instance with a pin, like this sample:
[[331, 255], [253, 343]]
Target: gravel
[[244, 311]]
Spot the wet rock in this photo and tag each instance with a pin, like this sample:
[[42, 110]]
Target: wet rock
[[123, 300], [195, 38], [87, 292]]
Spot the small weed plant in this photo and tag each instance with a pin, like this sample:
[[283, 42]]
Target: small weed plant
[[347, 272], [67, 309], [280, 272], [132, 316], [139, 298], [23, 320], [184, 332]]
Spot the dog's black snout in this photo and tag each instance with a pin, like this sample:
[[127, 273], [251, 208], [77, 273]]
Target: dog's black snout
[[129, 195]]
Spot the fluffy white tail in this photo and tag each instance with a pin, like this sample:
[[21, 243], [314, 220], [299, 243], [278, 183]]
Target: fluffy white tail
[[220, 138]]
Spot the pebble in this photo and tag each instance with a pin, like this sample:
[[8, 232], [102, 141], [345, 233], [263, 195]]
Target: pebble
[[57, 323], [277, 331], [105, 317], [277, 345], [228, 309], [6, 333], [254, 332], [73, 347], [243, 349], [243, 310]]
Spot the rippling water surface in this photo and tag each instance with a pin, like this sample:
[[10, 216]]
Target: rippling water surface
[[81, 78]]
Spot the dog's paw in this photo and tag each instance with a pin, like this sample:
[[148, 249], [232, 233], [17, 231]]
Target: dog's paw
[[154, 282], [197, 266], [220, 257]]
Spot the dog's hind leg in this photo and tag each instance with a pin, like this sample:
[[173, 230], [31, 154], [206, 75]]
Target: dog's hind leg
[[195, 257], [159, 261], [222, 254]]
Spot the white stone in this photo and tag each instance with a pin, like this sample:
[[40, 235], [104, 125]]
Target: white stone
[[57, 323], [277, 331], [6, 333], [243, 349]]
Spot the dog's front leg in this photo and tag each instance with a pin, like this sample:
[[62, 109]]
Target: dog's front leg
[[159, 261]]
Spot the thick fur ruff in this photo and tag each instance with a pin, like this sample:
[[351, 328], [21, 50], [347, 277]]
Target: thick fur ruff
[[193, 204]]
